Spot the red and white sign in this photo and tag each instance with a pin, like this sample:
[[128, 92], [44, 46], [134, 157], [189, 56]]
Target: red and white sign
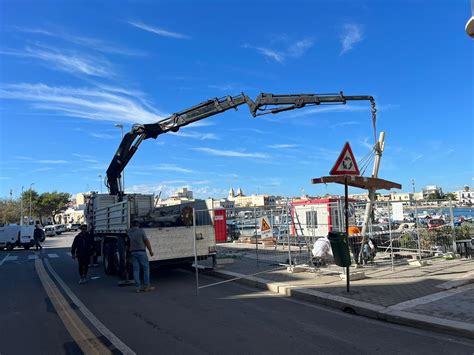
[[346, 163]]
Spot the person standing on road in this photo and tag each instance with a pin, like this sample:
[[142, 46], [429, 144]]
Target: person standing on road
[[38, 236], [138, 242], [82, 249]]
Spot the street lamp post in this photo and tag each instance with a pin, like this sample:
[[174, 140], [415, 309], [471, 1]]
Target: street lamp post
[[100, 182], [31, 186], [21, 207], [119, 125]]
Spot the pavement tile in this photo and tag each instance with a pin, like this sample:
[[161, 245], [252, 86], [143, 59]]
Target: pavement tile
[[382, 287]]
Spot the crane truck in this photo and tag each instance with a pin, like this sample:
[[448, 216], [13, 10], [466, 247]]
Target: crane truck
[[172, 230]]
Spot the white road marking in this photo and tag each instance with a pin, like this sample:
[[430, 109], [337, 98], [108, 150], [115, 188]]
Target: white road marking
[[430, 298], [32, 257], [69, 253], [11, 258], [52, 256], [4, 259], [121, 346]]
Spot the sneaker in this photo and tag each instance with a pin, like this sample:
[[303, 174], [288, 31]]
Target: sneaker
[[149, 288], [138, 290], [81, 281]]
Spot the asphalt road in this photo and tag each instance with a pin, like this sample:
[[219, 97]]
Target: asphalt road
[[228, 318]]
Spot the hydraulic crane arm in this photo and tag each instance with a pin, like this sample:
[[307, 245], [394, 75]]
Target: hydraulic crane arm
[[302, 100], [263, 103], [139, 132]]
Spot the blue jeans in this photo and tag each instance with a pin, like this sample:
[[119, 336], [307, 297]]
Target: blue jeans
[[140, 260]]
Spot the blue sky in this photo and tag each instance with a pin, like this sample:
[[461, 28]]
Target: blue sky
[[69, 71]]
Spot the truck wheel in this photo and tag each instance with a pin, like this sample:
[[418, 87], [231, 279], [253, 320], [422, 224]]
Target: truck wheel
[[110, 267], [9, 247]]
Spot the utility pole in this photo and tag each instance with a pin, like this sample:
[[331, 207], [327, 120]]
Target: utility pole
[[29, 218], [21, 207], [379, 147]]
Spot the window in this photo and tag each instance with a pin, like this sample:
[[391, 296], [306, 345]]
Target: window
[[311, 219]]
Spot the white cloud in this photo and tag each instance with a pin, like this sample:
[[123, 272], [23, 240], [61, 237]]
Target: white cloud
[[102, 135], [299, 48], [293, 49], [171, 167], [342, 124], [231, 153], [417, 157], [202, 182], [351, 34], [272, 54], [50, 161], [69, 62], [282, 146], [41, 170], [328, 108], [100, 104], [196, 135], [365, 143], [158, 31], [223, 87], [88, 42], [82, 156], [20, 157]]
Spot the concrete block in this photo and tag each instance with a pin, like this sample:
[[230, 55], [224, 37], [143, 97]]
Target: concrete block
[[353, 275], [295, 269], [418, 263]]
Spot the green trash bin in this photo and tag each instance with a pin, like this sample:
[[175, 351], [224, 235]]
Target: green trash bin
[[340, 248]]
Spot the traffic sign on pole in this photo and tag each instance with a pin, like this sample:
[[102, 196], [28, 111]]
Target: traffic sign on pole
[[346, 163]]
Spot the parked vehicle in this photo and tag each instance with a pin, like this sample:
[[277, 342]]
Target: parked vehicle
[[436, 223], [73, 227], [60, 228], [49, 231], [14, 235]]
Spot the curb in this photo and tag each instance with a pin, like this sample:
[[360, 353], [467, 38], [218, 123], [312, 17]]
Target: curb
[[349, 305]]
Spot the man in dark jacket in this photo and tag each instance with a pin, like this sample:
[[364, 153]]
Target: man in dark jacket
[[82, 249], [38, 236]]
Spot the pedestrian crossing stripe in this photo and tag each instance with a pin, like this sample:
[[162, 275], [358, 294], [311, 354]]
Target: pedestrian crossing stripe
[[53, 256], [32, 257], [11, 258]]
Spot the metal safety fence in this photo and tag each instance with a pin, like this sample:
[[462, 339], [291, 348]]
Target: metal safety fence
[[250, 239]]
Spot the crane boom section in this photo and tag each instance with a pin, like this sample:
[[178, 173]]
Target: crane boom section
[[261, 106], [132, 140]]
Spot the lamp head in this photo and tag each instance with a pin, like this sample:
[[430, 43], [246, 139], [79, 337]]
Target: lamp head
[[470, 27]]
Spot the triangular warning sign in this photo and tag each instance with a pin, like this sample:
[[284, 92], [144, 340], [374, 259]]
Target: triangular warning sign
[[346, 163], [265, 226]]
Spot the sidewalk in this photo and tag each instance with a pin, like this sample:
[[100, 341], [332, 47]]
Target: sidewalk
[[439, 296]]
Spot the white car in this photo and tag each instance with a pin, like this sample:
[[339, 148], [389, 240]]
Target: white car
[[49, 231], [60, 228], [14, 235]]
